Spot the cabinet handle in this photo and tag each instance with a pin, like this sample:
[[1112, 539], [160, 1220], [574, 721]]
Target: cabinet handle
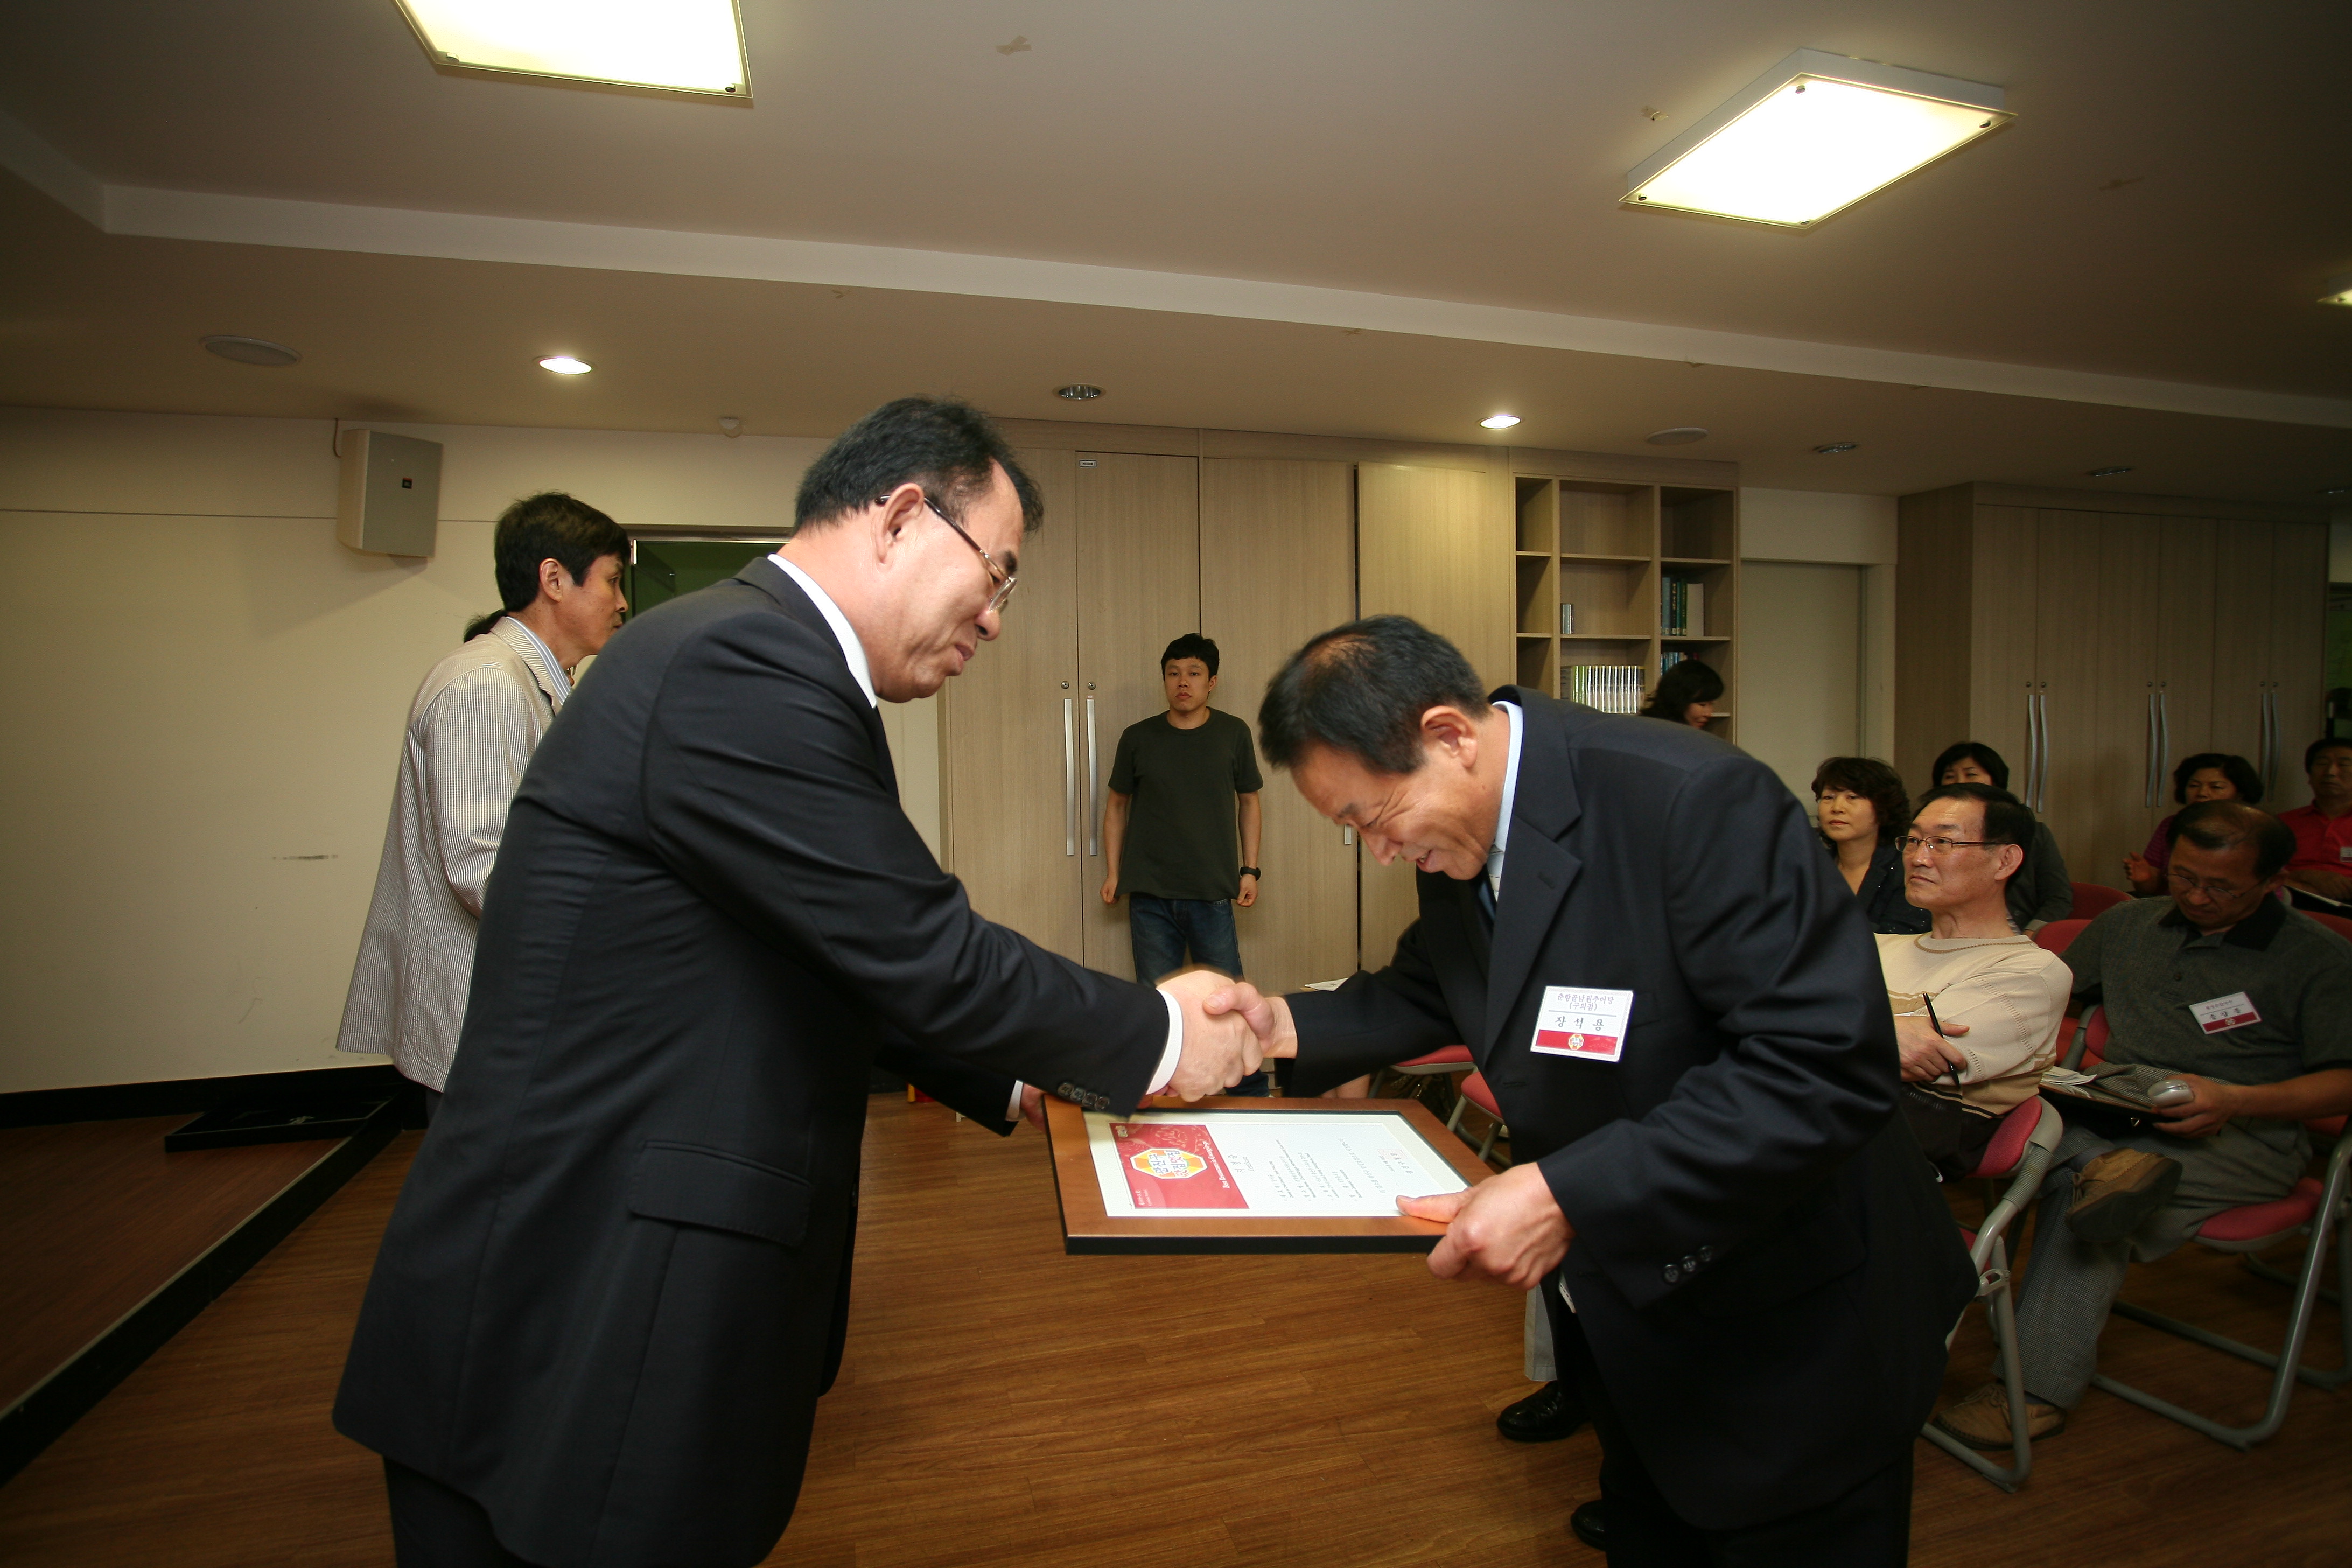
[[1348, 838], [2163, 738], [2147, 781], [1093, 844], [1069, 784], [2041, 789]]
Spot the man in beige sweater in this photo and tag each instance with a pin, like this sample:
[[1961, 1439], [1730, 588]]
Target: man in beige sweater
[[1977, 1007]]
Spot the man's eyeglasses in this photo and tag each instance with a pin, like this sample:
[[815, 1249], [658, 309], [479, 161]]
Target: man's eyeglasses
[[1939, 847], [1006, 582], [2180, 881]]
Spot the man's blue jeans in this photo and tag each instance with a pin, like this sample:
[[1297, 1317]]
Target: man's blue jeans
[[1164, 930]]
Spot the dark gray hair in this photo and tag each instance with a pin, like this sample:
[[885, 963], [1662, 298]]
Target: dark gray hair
[[2222, 826], [941, 444], [1362, 689]]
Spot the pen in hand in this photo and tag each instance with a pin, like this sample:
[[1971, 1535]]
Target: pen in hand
[[1952, 1071]]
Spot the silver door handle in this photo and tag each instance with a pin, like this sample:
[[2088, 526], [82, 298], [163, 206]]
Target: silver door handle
[[2148, 776], [2041, 789], [1093, 844], [2032, 747], [1069, 784], [1348, 838], [2163, 739]]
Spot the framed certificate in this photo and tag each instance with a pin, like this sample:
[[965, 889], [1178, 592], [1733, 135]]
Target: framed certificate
[[1227, 1175]]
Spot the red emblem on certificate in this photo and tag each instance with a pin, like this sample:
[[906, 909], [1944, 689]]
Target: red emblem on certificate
[[1175, 1166]]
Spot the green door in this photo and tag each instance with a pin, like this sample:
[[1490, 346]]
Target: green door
[[660, 569]]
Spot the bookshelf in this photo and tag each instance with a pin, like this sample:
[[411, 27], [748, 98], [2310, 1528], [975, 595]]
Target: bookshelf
[[1611, 551]]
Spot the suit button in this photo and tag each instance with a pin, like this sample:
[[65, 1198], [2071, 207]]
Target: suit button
[[1707, 1255], [1674, 1274], [1690, 1265]]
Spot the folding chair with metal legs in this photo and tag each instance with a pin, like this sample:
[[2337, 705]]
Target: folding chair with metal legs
[[2318, 1209], [1437, 1063], [1476, 1092], [2021, 1150]]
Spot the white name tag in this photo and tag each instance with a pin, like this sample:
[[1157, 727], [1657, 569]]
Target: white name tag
[[1588, 1024], [2234, 1011], [2344, 851]]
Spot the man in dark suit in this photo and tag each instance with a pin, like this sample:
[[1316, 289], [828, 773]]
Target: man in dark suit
[[618, 1276], [1632, 925]]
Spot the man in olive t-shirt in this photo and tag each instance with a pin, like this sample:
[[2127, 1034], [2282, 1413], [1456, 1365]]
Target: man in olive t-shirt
[[1181, 783]]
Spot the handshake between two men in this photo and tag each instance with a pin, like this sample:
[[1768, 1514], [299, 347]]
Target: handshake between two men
[[1509, 1227]]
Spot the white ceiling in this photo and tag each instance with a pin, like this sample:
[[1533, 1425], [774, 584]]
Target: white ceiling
[[2166, 206]]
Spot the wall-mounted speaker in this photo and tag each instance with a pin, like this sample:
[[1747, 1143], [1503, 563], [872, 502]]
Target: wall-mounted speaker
[[390, 503]]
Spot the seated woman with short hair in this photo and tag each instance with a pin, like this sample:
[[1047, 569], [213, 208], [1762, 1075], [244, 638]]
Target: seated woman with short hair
[[2208, 776], [2041, 891], [1861, 809]]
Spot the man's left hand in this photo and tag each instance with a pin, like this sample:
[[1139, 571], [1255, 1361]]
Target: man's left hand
[[1033, 1106], [1507, 1228], [1248, 895], [2203, 1116]]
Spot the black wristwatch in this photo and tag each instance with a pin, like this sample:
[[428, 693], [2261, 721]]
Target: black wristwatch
[[1253, 871]]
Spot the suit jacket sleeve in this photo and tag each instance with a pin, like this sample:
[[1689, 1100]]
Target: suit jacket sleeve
[[980, 1093], [1770, 941], [765, 790], [1373, 1021]]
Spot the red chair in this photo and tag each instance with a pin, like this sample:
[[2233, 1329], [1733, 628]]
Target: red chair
[[2336, 923], [2055, 936], [2021, 1150], [1476, 1092], [2314, 1208], [2092, 899], [1444, 1059]]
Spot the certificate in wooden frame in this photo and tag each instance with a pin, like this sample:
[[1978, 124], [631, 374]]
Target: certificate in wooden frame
[[1087, 1226]]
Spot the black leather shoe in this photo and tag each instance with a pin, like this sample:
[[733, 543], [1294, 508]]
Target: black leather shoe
[[1590, 1524], [1545, 1416]]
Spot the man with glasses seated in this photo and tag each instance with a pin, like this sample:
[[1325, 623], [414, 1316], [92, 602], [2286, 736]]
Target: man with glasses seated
[[2247, 1002], [1977, 1005]]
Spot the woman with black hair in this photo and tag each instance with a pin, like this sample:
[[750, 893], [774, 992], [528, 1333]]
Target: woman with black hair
[[1861, 811], [2208, 776], [1686, 694], [2041, 891]]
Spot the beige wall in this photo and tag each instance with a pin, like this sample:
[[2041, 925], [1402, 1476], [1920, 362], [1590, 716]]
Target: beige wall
[[1828, 528], [208, 698]]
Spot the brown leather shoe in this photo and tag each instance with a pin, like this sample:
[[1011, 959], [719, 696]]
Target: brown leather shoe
[[2118, 1191], [1981, 1420]]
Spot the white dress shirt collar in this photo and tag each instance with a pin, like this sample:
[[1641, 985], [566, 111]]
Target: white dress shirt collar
[[558, 684], [852, 650], [1517, 721]]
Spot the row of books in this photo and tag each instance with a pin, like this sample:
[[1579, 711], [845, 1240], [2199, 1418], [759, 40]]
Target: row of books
[[1612, 687], [1682, 607]]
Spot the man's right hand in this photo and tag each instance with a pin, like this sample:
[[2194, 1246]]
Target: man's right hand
[[1268, 1016], [1219, 1049], [1110, 888], [1924, 1054]]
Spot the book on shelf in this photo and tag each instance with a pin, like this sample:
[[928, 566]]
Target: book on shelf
[[1611, 688], [1682, 607]]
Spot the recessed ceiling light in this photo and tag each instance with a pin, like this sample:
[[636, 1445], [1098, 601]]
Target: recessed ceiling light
[[564, 364], [1834, 448], [1675, 435], [249, 351], [2109, 473], [1499, 421], [1078, 392], [685, 45], [2338, 490], [2339, 291], [1813, 135]]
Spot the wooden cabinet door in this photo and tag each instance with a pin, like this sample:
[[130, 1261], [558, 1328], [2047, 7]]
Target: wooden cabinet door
[[1436, 545], [2122, 764], [2184, 644], [1012, 813], [2077, 773], [1277, 566], [1138, 588], [2298, 648], [2003, 623], [2243, 575]]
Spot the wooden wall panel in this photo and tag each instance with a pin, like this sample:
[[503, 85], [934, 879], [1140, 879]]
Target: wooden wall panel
[[1934, 591], [1278, 565]]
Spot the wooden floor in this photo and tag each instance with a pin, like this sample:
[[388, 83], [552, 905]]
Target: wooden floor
[[1003, 1402], [94, 1216]]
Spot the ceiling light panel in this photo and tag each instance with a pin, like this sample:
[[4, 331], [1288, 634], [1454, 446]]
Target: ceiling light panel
[[683, 46], [1812, 136]]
